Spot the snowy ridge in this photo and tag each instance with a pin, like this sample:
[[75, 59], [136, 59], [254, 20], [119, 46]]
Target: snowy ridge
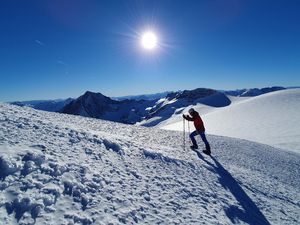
[[253, 91], [175, 103], [64, 169]]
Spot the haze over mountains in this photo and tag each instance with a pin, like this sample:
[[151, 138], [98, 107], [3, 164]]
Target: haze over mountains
[[143, 97], [46, 105]]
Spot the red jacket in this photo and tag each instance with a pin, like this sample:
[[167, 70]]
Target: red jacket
[[198, 123]]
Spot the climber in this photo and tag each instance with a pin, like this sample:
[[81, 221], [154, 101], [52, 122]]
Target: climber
[[198, 123]]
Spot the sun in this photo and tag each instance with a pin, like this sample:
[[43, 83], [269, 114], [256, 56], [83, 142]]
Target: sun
[[149, 40]]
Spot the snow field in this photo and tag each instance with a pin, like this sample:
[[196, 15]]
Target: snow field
[[62, 169], [272, 119]]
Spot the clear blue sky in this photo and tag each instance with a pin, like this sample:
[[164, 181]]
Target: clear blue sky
[[61, 48]]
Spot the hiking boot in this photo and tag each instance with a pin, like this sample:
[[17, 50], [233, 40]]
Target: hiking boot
[[194, 147], [207, 152], [207, 147]]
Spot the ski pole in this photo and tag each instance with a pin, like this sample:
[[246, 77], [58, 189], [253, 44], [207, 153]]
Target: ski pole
[[183, 134], [189, 128]]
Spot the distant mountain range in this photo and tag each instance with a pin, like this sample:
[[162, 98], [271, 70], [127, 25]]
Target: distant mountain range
[[46, 105], [147, 110], [143, 97], [96, 105], [253, 91]]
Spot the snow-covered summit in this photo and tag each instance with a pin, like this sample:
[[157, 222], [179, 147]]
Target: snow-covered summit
[[176, 102], [65, 169], [196, 93]]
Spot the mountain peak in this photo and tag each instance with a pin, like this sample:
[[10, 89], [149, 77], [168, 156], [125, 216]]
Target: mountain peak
[[90, 93], [197, 93], [192, 94]]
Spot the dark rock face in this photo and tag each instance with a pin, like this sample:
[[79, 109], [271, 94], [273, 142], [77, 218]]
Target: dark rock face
[[197, 93], [90, 105], [191, 94], [97, 105]]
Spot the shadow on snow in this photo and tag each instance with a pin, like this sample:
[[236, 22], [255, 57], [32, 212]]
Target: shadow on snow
[[251, 213]]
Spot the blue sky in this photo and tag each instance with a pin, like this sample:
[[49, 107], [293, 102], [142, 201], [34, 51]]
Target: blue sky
[[61, 48]]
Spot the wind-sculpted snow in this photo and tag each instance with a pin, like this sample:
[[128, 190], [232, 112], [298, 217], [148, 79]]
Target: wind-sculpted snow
[[7, 168], [64, 169]]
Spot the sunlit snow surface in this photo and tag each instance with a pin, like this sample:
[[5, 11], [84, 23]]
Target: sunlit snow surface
[[63, 169], [272, 119]]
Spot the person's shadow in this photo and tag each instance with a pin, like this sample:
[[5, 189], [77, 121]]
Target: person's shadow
[[250, 213]]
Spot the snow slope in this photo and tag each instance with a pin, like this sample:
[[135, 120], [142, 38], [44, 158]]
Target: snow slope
[[272, 119], [202, 108], [65, 169], [175, 103]]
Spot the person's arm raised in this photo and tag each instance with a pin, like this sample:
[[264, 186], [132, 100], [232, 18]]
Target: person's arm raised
[[187, 117]]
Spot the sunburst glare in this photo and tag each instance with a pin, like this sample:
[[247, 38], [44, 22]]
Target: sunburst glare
[[149, 40]]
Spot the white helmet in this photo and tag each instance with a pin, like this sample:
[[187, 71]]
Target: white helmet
[[191, 110]]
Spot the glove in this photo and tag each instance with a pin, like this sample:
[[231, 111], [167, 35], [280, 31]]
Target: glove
[[183, 116]]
